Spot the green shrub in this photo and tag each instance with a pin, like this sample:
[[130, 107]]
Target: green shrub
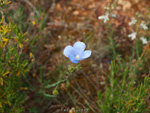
[[13, 65], [123, 96]]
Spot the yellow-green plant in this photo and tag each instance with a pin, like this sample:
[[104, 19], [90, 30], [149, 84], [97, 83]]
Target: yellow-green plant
[[13, 65], [123, 96], [4, 2]]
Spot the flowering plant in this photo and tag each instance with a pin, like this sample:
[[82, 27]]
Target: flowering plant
[[77, 53]]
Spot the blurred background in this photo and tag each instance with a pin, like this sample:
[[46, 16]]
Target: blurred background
[[51, 25]]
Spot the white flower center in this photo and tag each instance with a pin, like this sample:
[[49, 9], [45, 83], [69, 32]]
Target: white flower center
[[77, 57]]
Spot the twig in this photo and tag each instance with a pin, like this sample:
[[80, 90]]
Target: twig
[[3, 16], [30, 4]]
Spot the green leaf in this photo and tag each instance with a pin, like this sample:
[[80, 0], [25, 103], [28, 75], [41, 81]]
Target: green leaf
[[88, 37], [48, 95], [54, 84]]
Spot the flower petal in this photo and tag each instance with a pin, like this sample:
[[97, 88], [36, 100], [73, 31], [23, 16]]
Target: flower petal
[[101, 17], [132, 35], [73, 59], [69, 50], [143, 40], [79, 47], [85, 54]]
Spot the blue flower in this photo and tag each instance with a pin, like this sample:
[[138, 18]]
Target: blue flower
[[109, 61], [77, 53]]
